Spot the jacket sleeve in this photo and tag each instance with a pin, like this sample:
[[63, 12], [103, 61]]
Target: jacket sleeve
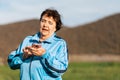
[[56, 64], [15, 57]]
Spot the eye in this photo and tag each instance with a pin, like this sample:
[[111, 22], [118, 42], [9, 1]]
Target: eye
[[50, 23], [43, 20]]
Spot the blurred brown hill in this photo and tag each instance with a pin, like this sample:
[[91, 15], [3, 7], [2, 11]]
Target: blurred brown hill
[[101, 37], [98, 37]]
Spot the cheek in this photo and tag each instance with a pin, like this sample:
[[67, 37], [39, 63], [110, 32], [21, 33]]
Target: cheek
[[53, 29]]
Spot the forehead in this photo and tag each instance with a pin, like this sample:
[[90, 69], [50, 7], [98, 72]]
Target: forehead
[[47, 17]]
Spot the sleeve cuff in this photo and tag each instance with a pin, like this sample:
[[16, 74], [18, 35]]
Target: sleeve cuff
[[45, 55]]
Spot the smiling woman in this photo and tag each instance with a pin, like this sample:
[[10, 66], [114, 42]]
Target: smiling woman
[[43, 55], [47, 27]]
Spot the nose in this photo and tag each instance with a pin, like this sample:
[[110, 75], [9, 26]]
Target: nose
[[45, 24]]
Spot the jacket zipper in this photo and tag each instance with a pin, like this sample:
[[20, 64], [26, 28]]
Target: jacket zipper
[[30, 68]]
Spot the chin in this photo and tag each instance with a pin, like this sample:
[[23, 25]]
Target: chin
[[45, 33]]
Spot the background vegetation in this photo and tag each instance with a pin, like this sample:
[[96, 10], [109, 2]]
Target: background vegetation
[[76, 71]]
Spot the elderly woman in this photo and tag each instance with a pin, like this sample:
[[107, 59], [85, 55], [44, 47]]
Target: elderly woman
[[44, 55]]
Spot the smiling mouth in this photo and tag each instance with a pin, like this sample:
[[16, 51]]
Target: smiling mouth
[[45, 29]]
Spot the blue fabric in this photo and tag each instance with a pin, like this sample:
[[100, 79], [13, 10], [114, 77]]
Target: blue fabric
[[50, 66]]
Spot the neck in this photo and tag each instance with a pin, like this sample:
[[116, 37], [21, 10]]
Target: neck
[[43, 38]]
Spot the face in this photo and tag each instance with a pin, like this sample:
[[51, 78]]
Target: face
[[47, 26]]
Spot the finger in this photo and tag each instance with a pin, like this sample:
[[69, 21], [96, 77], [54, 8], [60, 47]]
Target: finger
[[36, 46], [24, 50]]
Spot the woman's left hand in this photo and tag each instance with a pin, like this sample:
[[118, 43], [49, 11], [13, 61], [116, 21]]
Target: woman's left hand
[[37, 50]]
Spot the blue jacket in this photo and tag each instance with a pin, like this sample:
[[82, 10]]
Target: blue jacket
[[49, 66]]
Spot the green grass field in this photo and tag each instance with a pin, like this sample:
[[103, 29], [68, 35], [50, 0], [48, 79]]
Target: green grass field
[[76, 71], [93, 71]]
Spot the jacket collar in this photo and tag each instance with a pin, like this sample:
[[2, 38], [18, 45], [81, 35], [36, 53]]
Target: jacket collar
[[48, 40]]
